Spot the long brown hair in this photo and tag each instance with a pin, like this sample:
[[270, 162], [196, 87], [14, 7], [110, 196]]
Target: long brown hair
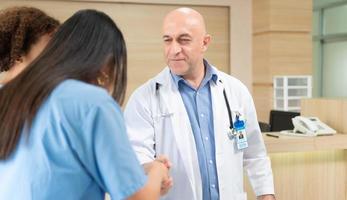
[[78, 50], [20, 28]]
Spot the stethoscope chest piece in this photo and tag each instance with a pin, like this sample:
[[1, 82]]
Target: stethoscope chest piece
[[231, 133]]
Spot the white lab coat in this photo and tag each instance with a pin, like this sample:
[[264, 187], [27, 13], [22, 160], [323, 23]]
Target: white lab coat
[[158, 123]]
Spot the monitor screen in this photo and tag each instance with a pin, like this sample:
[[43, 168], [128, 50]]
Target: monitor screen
[[282, 120]]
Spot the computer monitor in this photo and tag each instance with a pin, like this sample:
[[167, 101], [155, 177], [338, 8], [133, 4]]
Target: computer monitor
[[282, 120]]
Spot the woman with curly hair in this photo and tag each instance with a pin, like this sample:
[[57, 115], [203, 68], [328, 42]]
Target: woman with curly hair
[[24, 32]]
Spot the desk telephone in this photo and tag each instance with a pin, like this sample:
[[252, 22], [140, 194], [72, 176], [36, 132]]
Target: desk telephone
[[309, 126]]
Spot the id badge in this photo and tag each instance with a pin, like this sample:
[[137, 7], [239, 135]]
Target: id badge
[[240, 133], [241, 139]]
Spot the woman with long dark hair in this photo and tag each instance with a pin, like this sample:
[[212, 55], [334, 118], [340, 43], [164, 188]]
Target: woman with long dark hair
[[62, 135]]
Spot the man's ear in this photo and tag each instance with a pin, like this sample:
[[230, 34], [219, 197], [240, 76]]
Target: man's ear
[[206, 42]]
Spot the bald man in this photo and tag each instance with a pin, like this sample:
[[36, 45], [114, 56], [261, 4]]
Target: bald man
[[203, 119]]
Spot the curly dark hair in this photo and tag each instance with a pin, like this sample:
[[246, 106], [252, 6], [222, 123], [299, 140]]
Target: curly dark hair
[[20, 28]]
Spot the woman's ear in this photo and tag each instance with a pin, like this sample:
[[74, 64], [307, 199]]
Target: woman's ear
[[103, 79]]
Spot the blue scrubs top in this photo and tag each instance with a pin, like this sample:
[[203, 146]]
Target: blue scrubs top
[[77, 148]]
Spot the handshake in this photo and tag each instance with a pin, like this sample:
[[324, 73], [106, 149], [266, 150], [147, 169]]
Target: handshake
[[158, 171]]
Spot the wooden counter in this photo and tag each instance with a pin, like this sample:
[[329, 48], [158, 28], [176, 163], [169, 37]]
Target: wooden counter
[[302, 144], [306, 168]]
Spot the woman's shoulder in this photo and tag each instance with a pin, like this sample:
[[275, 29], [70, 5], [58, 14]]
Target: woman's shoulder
[[73, 96], [81, 91], [74, 100]]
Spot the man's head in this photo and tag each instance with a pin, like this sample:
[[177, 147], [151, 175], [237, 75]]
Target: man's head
[[185, 41]]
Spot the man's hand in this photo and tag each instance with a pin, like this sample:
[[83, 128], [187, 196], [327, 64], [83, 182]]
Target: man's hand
[[167, 182], [266, 197]]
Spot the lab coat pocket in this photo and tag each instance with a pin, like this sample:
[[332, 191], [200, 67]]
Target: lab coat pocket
[[162, 117], [163, 129], [162, 122]]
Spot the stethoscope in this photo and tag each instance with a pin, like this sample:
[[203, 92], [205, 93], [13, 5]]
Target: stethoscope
[[233, 129], [231, 124], [231, 132]]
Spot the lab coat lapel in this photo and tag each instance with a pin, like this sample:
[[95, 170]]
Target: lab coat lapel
[[181, 129], [225, 154], [219, 117], [221, 121]]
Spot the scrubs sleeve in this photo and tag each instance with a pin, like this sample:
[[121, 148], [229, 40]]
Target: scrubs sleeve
[[106, 153]]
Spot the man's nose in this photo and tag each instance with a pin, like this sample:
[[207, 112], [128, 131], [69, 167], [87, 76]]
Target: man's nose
[[175, 48]]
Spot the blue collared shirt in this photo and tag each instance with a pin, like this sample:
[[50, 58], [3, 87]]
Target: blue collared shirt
[[199, 108]]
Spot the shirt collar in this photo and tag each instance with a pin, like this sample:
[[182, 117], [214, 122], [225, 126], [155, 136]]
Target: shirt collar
[[211, 74]]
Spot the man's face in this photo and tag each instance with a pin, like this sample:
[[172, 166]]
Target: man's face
[[184, 45]]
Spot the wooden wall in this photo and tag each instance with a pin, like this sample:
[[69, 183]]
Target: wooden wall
[[282, 45], [141, 26], [333, 112]]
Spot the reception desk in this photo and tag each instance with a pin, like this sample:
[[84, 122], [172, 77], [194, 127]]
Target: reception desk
[[283, 144], [314, 168], [308, 168]]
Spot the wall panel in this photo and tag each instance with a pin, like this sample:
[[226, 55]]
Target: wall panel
[[141, 26], [282, 45]]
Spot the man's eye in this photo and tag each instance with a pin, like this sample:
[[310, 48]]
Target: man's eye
[[184, 40]]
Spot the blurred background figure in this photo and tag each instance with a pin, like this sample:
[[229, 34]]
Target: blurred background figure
[[24, 32]]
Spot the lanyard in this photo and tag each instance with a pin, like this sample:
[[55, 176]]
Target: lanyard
[[231, 126]]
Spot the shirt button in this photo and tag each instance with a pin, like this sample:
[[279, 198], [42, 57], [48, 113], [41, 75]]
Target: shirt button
[[210, 162], [206, 138], [213, 185], [202, 115]]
